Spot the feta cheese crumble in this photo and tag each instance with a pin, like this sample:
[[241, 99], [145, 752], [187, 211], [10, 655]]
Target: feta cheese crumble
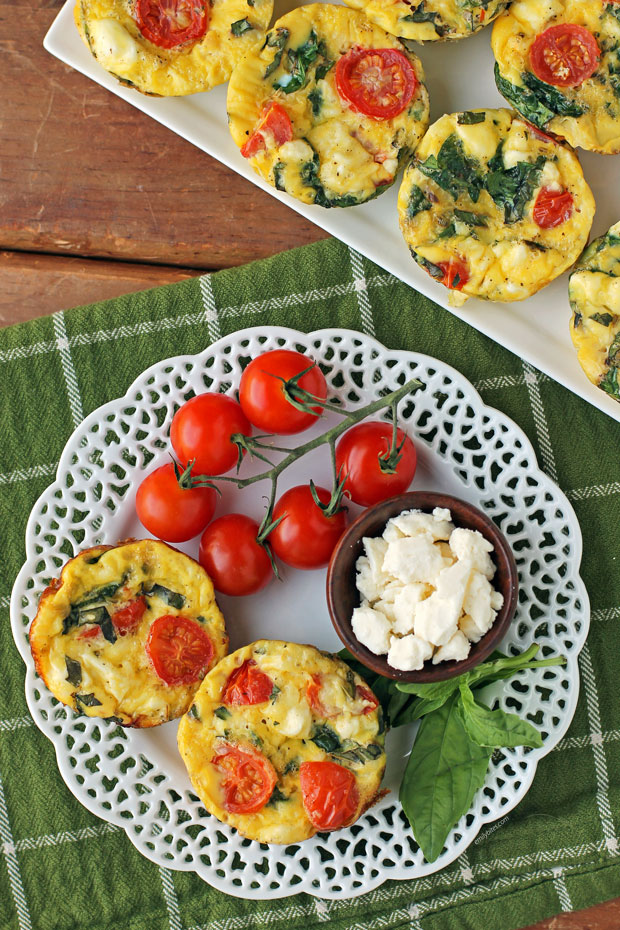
[[426, 590]]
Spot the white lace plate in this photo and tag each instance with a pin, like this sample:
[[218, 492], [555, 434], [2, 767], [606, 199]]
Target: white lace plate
[[135, 778]]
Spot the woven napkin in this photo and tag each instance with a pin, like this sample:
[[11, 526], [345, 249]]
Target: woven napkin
[[62, 868]]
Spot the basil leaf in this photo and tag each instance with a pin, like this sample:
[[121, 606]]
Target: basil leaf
[[609, 383], [493, 728], [276, 797], [472, 219], [165, 594], [193, 713], [299, 59], [552, 98], [422, 15], [326, 738], [323, 69], [356, 753], [241, 26], [88, 700], [453, 170], [499, 666], [74, 672], [277, 40], [524, 101], [222, 712], [512, 188], [469, 118], [445, 769], [417, 202], [614, 349], [316, 100], [278, 176], [605, 319]]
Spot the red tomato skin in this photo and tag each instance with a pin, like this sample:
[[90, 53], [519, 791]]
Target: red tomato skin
[[313, 694], [235, 562], [201, 430], [367, 76], [169, 512], [365, 694], [247, 685], [177, 639], [155, 19], [305, 538], [357, 457], [90, 632], [128, 617], [564, 55], [274, 127], [455, 274], [552, 208], [262, 397], [244, 770], [329, 794]]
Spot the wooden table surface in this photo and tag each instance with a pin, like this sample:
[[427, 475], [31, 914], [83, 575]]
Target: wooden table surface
[[97, 200]]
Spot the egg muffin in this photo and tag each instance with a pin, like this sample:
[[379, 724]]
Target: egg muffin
[[128, 631], [169, 48], [491, 208], [558, 64], [330, 106], [594, 294], [431, 20], [283, 741]]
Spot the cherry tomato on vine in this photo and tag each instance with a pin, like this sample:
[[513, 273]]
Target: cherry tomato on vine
[[170, 512], [236, 563], [179, 649], [329, 793], [168, 23], [305, 537], [552, 208], [247, 778], [201, 430], [247, 685], [261, 391], [378, 82], [360, 453], [564, 55]]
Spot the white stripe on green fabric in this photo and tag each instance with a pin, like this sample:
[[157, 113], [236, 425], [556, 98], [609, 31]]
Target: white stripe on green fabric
[[504, 381], [583, 742], [361, 290], [5, 601], [12, 865], [598, 749], [322, 909], [68, 368], [561, 890], [170, 897], [15, 723], [540, 421], [467, 874], [605, 613], [596, 490], [66, 836], [25, 474], [208, 300]]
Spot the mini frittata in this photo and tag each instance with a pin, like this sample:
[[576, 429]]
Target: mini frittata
[[558, 64], [283, 741], [594, 294], [170, 48], [431, 20], [493, 209], [128, 631], [329, 108]]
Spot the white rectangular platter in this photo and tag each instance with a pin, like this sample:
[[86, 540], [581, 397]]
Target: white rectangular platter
[[459, 77]]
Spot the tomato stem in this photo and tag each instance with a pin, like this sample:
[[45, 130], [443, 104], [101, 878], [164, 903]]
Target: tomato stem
[[389, 460]]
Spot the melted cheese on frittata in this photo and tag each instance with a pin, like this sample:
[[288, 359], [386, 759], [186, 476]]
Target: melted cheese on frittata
[[338, 157], [119, 675], [430, 20], [587, 115], [114, 38], [594, 294], [287, 731], [469, 195]]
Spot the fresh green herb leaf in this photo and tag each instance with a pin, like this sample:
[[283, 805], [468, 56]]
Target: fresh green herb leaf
[[445, 769], [278, 176], [326, 738], [193, 712], [240, 26], [98, 595], [357, 753], [276, 797], [469, 118], [322, 69], [88, 700], [292, 766], [448, 232], [551, 97], [172, 598], [74, 672], [274, 693], [316, 100], [222, 712], [277, 40], [93, 559], [609, 383], [472, 219], [512, 188], [499, 666], [299, 60], [614, 348], [453, 170], [417, 202], [524, 101], [605, 319], [422, 15], [495, 728]]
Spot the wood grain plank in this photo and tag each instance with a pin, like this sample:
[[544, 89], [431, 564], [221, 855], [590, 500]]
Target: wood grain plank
[[85, 173], [602, 917]]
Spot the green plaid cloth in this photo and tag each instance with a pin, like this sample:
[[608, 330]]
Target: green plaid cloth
[[62, 868]]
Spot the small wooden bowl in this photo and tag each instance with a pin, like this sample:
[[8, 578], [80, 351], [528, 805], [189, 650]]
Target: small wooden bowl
[[343, 596]]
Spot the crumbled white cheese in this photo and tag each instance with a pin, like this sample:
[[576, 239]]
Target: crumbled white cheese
[[297, 722], [426, 590]]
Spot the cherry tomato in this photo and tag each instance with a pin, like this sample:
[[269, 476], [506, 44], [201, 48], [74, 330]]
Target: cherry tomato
[[305, 538], [168, 23], [179, 649], [261, 391], [201, 430], [90, 632], [313, 693], [329, 794], [539, 134], [247, 685], [128, 617], [564, 55], [247, 779], [359, 454], [170, 512], [455, 273], [365, 694], [274, 128], [378, 82], [234, 561], [552, 208]]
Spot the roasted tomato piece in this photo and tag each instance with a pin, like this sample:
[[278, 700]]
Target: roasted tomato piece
[[377, 82], [329, 793], [128, 617], [552, 208], [247, 685], [564, 55], [313, 693], [365, 694], [179, 649], [247, 778], [273, 130], [455, 273], [168, 23]]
